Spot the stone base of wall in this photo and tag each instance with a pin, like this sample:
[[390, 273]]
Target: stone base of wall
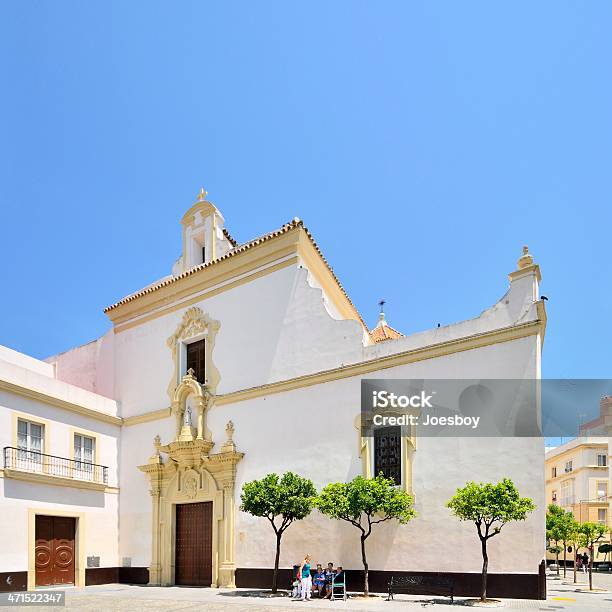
[[13, 581], [121, 575], [514, 586], [18, 581]]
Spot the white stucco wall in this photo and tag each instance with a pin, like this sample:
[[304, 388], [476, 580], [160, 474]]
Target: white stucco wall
[[89, 366], [25, 362], [17, 497], [274, 328], [311, 431]]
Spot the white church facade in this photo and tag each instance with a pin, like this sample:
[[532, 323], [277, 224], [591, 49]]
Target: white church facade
[[124, 458]]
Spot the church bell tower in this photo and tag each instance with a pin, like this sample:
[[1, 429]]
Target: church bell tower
[[204, 238]]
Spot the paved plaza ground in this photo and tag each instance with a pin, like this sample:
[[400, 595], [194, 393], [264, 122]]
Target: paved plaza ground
[[562, 595]]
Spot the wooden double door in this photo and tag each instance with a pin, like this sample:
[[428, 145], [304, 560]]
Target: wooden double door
[[193, 549], [54, 550]]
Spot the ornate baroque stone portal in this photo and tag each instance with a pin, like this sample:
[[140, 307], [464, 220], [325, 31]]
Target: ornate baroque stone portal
[[191, 473]]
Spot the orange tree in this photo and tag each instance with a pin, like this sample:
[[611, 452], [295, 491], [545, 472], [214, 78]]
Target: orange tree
[[282, 501], [365, 502], [490, 506]]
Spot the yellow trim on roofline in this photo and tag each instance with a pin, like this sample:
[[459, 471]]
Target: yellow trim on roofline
[[293, 261], [433, 351], [59, 403], [291, 239], [442, 349], [389, 361], [147, 417]]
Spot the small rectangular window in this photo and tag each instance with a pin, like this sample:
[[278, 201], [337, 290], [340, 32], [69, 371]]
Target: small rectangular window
[[602, 460], [196, 360], [388, 453], [554, 472], [569, 466]]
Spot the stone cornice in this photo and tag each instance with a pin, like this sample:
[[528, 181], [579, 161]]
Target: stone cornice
[[59, 403], [449, 347], [48, 479]]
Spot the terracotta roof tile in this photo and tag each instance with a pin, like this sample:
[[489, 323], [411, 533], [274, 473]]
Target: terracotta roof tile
[[233, 242], [384, 332]]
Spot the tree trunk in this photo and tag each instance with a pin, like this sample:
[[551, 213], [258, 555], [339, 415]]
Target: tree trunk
[[575, 558], [366, 584], [564, 559], [275, 575], [485, 565], [591, 548], [557, 563]]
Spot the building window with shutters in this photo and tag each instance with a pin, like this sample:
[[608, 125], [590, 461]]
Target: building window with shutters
[[388, 453], [196, 360]]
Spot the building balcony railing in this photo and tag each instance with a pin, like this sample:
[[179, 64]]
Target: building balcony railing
[[38, 463]]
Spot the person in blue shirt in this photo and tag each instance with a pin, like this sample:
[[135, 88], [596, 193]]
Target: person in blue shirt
[[305, 578], [318, 580], [329, 574]]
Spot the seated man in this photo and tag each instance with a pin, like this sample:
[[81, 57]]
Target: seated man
[[329, 575], [338, 583], [318, 580], [339, 575]]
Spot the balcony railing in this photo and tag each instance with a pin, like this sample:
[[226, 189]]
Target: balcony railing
[[34, 462]]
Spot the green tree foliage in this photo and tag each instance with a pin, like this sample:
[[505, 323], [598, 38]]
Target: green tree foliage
[[365, 502], [282, 501], [590, 534], [489, 506], [560, 525]]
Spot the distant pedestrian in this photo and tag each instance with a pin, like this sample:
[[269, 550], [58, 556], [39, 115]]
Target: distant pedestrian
[[585, 562], [578, 561]]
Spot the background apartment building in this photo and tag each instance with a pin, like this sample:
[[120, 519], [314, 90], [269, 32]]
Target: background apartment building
[[577, 479]]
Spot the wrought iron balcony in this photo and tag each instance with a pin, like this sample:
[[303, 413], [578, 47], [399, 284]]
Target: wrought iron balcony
[[38, 463]]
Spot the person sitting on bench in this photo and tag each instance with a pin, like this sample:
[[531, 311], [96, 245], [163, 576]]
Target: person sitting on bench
[[318, 580], [329, 575], [337, 577]]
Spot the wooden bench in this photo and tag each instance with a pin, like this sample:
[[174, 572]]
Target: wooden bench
[[421, 585]]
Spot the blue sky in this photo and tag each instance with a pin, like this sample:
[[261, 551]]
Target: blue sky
[[423, 143]]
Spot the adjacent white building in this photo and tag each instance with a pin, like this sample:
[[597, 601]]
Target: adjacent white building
[[247, 359]]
